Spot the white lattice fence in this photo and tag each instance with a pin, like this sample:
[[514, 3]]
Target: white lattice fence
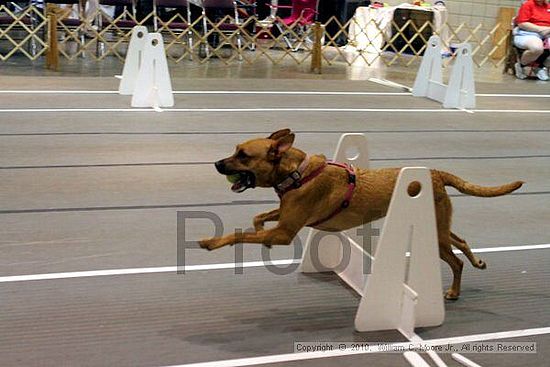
[[22, 32], [248, 40]]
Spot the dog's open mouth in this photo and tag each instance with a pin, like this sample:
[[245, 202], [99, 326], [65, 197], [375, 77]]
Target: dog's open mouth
[[241, 181]]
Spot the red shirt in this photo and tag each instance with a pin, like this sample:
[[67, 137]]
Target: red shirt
[[534, 13]]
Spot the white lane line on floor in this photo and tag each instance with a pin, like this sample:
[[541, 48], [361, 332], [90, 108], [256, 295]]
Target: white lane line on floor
[[152, 270], [199, 92], [511, 111], [250, 264], [61, 91], [267, 109], [508, 248], [268, 92], [292, 357], [513, 95]]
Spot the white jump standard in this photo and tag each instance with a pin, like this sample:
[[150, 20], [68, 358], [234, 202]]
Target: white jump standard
[[145, 75], [460, 93]]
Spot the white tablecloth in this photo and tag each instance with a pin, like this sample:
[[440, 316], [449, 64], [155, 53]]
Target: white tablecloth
[[367, 30]]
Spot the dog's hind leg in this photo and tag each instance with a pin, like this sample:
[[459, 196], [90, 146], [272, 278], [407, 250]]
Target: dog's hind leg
[[443, 215], [460, 244], [447, 255]]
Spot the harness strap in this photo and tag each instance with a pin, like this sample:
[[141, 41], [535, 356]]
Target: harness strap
[[347, 197], [294, 181]]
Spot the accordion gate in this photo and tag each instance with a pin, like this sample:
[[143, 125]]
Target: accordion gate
[[246, 41]]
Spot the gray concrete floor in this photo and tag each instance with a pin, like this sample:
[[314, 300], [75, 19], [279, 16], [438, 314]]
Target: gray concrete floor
[[100, 190], [262, 68]]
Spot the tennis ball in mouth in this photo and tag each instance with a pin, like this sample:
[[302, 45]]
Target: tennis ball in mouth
[[233, 178]]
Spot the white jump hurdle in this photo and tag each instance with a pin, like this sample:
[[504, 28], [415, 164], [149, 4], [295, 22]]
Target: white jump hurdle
[[411, 298], [145, 75], [460, 93], [395, 295]]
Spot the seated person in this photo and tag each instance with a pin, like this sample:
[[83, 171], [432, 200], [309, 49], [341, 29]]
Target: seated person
[[531, 35]]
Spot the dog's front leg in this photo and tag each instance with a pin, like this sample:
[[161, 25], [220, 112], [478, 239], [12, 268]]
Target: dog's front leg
[[292, 218], [260, 219], [274, 236]]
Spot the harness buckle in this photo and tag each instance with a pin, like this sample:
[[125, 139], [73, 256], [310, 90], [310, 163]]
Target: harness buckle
[[296, 176]]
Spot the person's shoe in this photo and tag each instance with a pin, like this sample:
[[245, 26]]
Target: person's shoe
[[520, 73], [542, 74]]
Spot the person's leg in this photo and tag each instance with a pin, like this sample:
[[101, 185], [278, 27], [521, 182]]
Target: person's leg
[[546, 61], [273, 12], [541, 66], [533, 48]]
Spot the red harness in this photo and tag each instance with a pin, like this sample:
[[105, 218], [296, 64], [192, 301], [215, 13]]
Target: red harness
[[298, 182]]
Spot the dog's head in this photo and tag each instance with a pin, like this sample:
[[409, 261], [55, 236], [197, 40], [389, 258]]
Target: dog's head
[[255, 162]]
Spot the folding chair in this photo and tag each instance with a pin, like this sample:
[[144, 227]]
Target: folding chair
[[296, 29], [70, 25], [69, 22], [178, 23], [215, 11], [18, 8], [15, 7], [124, 23]]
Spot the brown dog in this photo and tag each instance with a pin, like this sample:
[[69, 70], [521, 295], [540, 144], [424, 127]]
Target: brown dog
[[311, 195]]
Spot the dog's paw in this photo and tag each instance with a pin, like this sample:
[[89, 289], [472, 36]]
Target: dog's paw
[[481, 264], [209, 244], [451, 295]]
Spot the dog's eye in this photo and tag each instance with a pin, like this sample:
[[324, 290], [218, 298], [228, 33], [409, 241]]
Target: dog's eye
[[242, 155]]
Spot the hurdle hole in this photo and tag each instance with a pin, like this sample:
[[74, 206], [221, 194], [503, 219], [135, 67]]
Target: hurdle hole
[[154, 42], [352, 153], [465, 51], [414, 189], [140, 34]]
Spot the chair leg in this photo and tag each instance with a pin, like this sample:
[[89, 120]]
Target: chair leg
[[205, 40], [190, 44], [82, 43], [285, 38], [100, 47], [32, 46], [301, 38], [240, 46]]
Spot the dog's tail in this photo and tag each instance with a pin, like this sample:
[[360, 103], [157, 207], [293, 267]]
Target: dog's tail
[[475, 190]]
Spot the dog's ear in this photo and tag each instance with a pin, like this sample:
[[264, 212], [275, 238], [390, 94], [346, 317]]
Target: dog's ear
[[283, 144], [279, 134]]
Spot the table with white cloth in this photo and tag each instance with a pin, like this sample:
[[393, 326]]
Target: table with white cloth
[[371, 27]]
